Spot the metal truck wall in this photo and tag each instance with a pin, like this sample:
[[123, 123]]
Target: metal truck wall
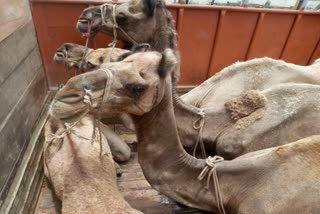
[[209, 37]]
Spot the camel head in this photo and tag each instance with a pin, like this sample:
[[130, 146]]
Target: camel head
[[140, 19], [133, 85], [71, 54]]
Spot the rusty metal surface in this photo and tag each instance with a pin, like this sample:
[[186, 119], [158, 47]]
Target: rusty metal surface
[[210, 37]]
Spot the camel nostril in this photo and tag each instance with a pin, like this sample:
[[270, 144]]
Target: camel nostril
[[70, 98], [84, 20], [59, 54], [136, 90]]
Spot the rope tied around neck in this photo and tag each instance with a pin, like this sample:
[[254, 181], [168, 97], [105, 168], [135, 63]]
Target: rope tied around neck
[[198, 124], [210, 169]]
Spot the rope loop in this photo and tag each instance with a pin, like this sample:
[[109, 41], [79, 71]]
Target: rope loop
[[210, 170], [198, 124]]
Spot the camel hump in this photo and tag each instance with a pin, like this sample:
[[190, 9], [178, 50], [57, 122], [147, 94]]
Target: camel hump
[[246, 104]]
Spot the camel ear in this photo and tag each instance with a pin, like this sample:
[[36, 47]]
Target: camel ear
[[143, 47], [168, 63], [148, 7]]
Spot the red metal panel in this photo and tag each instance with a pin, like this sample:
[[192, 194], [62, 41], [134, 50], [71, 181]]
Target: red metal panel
[[271, 35], [196, 41], [316, 53], [303, 39], [174, 13], [62, 14], [234, 39], [210, 37]]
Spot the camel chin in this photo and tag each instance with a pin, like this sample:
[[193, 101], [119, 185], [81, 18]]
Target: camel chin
[[68, 113]]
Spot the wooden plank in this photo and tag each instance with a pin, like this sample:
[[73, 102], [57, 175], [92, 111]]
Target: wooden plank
[[15, 49], [13, 14], [13, 88], [28, 180], [15, 130]]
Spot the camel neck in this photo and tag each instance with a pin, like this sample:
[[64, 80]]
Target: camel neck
[[165, 35], [165, 164]]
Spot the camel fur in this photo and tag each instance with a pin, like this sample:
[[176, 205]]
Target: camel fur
[[274, 180], [83, 180], [149, 21]]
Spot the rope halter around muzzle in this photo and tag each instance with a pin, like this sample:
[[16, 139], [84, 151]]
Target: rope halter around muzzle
[[210, 170]]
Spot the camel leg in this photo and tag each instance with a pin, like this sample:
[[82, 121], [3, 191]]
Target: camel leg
[[120, 150]]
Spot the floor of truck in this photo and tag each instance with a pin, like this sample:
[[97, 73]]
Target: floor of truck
[[136, 190]]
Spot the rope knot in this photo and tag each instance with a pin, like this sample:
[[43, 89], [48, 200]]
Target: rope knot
[[210, 169], [87, 96], [211, 166], [201, 113], [198, 125]]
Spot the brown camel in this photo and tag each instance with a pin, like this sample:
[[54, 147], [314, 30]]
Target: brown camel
[[275, 180], [149, 21], [71, 55], [83, 180]]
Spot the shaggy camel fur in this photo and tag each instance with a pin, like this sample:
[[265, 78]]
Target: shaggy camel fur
[[149, 21], [83, 180], [259, 182]]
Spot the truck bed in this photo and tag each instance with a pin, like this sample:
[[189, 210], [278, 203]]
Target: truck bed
[[132, 184]]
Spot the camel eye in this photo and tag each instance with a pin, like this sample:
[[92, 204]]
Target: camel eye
[[121, 18], [90, 65], [136, 90]]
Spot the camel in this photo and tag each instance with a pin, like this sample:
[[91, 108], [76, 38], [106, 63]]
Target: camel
[[85, 59], [274, 180], [83, 180], [149, 21], [71, 55]]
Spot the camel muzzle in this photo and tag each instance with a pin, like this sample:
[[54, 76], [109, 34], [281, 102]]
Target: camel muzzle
[[58, 57]]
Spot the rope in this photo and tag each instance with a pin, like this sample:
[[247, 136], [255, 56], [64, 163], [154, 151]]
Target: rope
[[87, 34], [198, 124], [116, 27], [210, 169]]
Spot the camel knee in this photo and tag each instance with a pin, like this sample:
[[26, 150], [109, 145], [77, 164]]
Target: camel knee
[[229, 150], [121, 152]]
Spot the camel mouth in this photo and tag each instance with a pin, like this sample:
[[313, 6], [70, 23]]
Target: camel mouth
[[72, 118], [59, 57], [68, 112], [82, 26]]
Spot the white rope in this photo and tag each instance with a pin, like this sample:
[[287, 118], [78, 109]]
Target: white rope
[[210, 169], [115, 25], [198, 124]]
